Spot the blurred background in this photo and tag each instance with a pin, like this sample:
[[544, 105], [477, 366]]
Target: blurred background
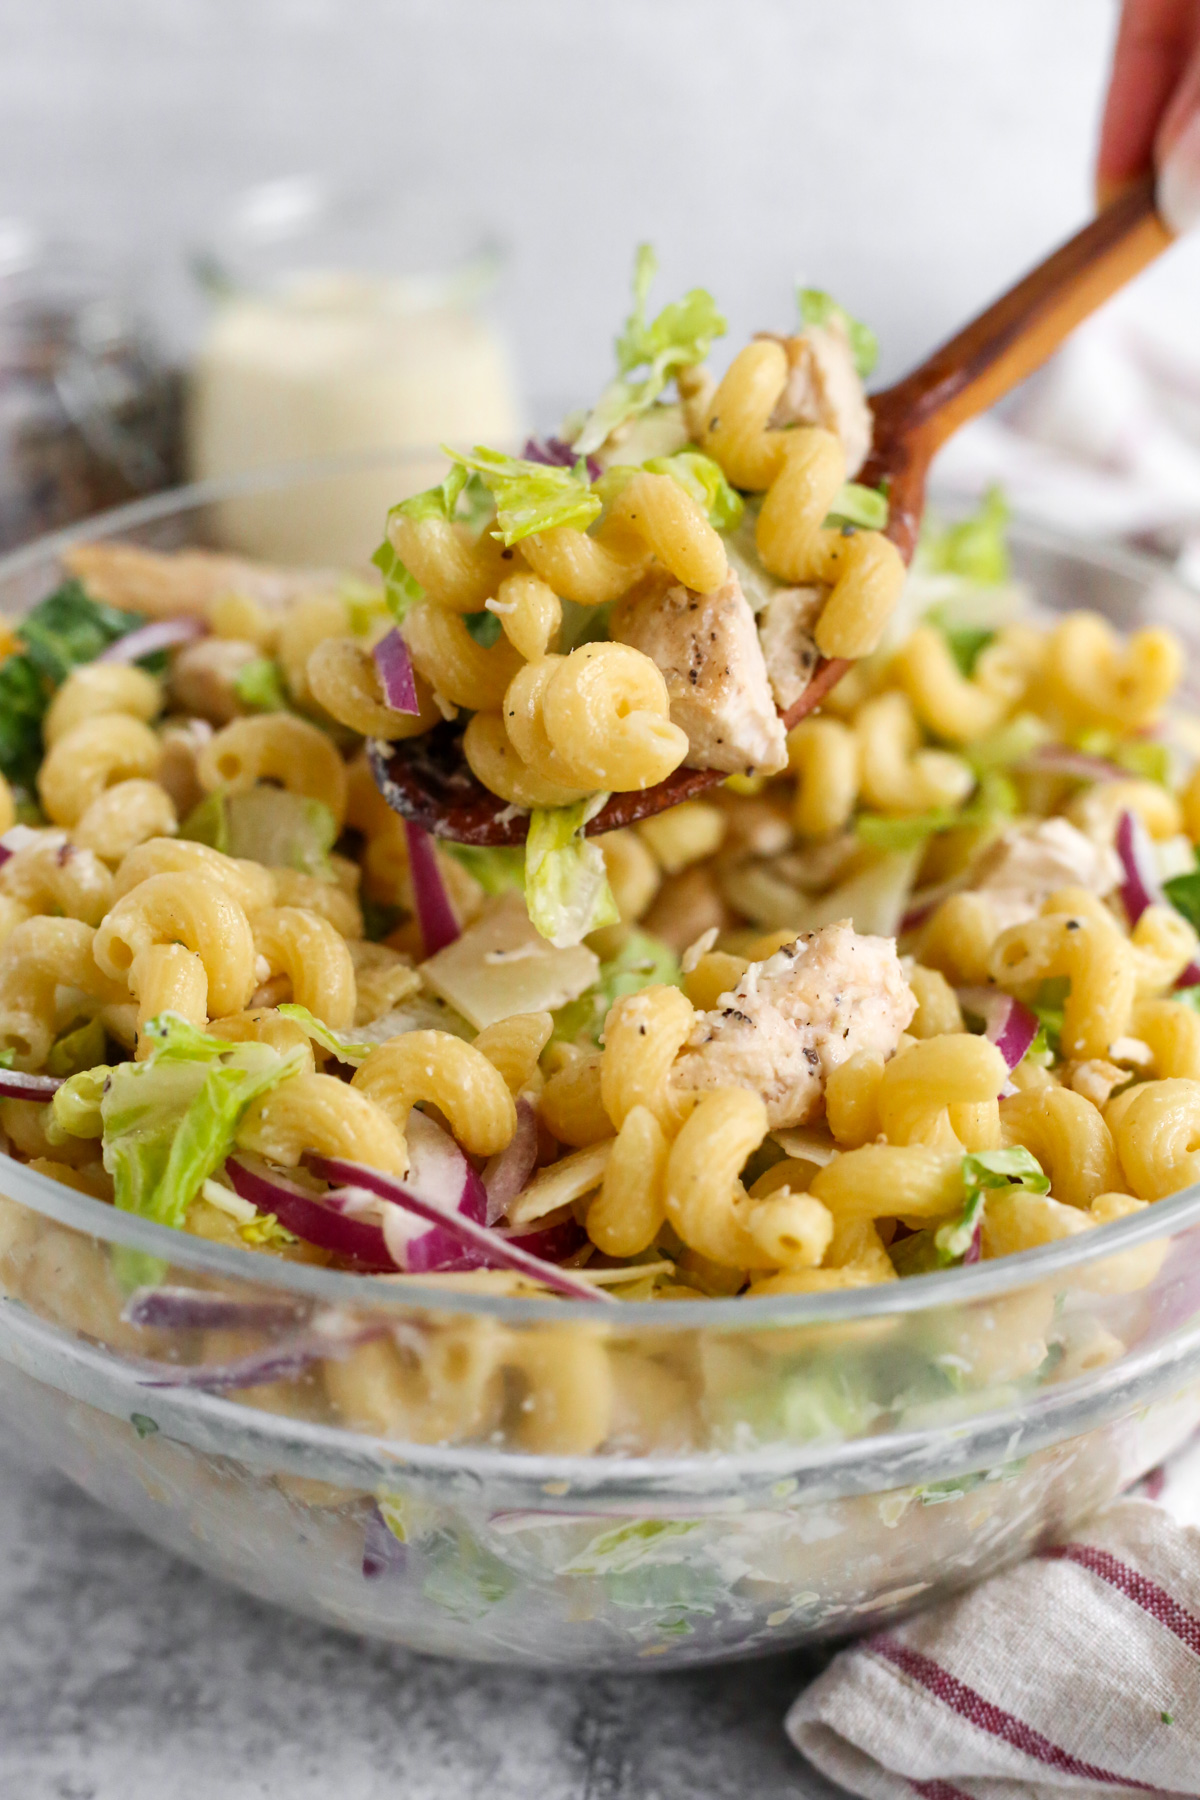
[[232, 233]]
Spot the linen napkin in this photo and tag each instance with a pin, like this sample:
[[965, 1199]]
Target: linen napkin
[[1075, 1673]]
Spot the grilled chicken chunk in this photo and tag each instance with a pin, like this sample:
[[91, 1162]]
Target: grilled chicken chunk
[[793, 1019], [708, 650]]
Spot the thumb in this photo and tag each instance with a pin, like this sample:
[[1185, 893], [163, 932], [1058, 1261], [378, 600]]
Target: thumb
[[1177, 154]]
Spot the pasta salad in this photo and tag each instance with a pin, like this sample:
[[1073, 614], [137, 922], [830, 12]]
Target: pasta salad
[[917, 985]]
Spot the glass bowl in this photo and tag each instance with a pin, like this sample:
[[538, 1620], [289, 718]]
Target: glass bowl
[[570, 1485]]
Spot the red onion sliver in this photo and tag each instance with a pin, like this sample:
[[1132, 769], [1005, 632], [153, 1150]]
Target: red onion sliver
[[557, 452], [354, 1239], [161, 634], [974, 1250], [500, 1252], [1007, 1023], [507, 1173], [1140, 886], [435, 914], [198, 1309], [383, 1553], [1190, 976], [15, 1086], [278, 1362], [396, 673], [1059, 759]]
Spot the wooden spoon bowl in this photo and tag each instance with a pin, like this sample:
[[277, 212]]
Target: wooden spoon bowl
[[427, 780]]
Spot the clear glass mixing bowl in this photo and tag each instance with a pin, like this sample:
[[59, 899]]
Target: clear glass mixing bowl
[[555, 1483]]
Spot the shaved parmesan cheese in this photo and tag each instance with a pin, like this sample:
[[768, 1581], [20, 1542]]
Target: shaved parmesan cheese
[[500, 966]]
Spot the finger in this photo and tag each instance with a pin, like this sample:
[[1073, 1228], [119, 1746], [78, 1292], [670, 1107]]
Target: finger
[[1177, 153], [1154, 45]]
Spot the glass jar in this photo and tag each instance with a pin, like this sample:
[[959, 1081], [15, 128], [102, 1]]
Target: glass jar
[[89, 410], [340, 323]]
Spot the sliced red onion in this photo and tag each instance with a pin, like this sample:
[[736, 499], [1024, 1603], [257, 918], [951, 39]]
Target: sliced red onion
[[316, 1222], [396, 673], [276, 1362], [435, 914], [974, 1249], [507, 1173], [440, 1174], [383, 1553], [1140, 886], [161, 634], [196, 1309], [1190, 976], [15, 1086], [559, 454], [499, 1252], [1059, 759], [1007, 1024], [552, 1243]]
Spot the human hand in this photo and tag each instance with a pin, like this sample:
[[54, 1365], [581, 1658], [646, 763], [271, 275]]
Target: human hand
[[1152, 114]]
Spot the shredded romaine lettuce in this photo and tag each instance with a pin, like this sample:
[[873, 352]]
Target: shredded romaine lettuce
[[819, 308], [402, 590], [1143, 757], [985, 1172], [267, 825], [62, 631], [499, 870], [854, 504], [681, 335], [169, 1122], [697, 474], [346, 1049], [566, 882], [1183, 891], [83, 1048], [258, 684], [976, 549], [530, 496], [643, 961], [995, 800]]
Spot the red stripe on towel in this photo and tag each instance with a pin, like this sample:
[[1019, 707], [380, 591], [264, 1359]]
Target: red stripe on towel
[[972, 1706], [1135, 1586], [938, 1790]]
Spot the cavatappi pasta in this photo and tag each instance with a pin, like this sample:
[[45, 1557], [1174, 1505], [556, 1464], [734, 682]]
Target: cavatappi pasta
[[919, 990]]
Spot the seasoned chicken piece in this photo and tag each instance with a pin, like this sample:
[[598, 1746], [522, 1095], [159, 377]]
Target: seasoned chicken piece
[[171, 586], [1027, 863], [182, 742], [785, 630], [825, 388], [793, 1019], [707, 647]]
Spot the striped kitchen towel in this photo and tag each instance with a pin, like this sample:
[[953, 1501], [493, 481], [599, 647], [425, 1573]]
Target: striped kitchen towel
[[1075, 1673]]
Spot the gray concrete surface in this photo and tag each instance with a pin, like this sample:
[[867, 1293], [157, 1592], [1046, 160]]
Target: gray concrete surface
[[126, 1675]]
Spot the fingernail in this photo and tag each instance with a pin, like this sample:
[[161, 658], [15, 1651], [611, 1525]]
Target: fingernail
[[1179, 180]]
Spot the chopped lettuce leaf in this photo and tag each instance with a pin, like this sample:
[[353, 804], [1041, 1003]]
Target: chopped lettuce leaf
[[1183, 891], [819, 308], [643, 961], [483, 626], [61, 632], [75, 1109], [566, 883], [995, 799], [530, 496], [336, 1042], [1188, 996], [1047, 1007], [169, 1122], [681, 335], [258, 684], [1143, 757], [854, 504], [402, 590], [267, 825], [9, 1057], [987, 1171], [1008, 744], [967, 643], [83, 1048], [975, 549], [498, 870], [265, 1231], [705, 481]]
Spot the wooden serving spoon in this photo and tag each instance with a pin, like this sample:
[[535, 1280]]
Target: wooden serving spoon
[[427, 780]]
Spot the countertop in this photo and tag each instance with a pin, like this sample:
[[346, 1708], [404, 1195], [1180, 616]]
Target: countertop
[[127, 1675]]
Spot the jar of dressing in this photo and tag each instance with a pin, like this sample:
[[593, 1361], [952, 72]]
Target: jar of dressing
[[340, 324]]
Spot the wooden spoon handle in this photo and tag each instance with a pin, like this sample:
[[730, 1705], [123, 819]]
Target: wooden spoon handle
[[988, 357]]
